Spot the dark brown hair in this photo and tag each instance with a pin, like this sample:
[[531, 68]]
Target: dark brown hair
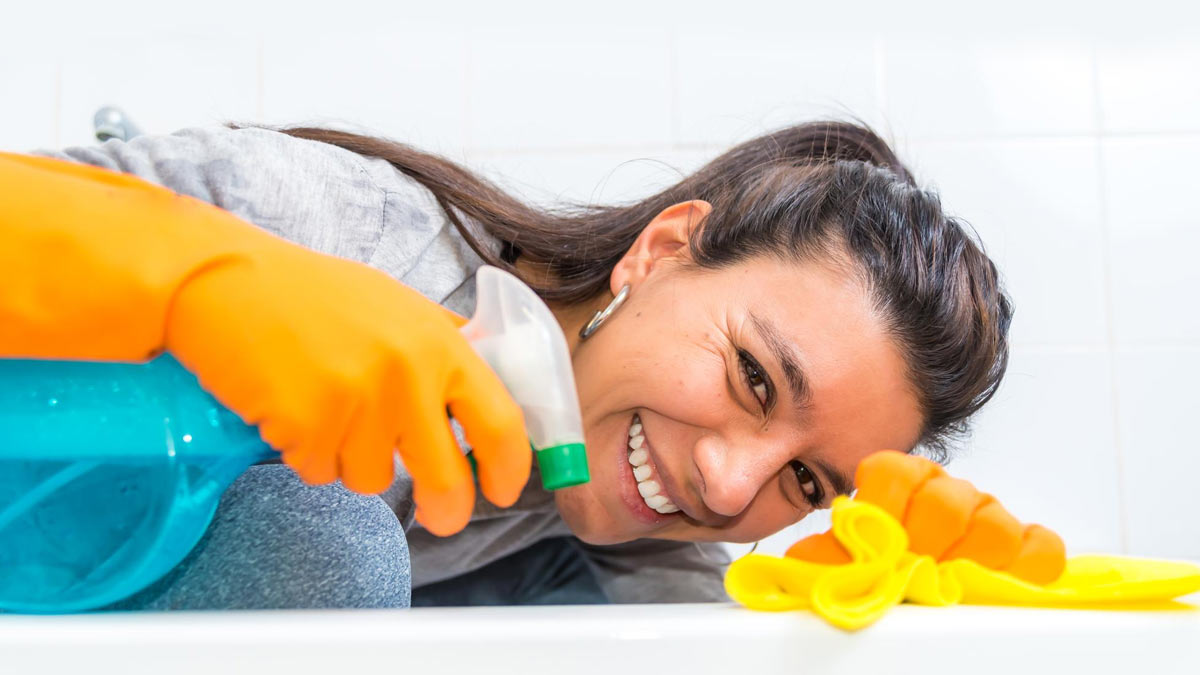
[[817, 190]]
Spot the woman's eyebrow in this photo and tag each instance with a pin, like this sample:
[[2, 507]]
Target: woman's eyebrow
[[841, 484], [789, 361], [785, 355]]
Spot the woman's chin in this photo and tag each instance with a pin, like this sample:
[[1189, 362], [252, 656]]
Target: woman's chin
[[587, 518]]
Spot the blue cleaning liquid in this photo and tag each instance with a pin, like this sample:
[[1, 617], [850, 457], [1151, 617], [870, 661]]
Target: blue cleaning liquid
[[109, 475]]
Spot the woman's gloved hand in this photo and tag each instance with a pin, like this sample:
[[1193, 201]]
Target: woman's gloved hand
[[337, 364], [945, 518]]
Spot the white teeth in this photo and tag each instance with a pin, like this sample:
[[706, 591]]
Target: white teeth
[[639, 458], [649, 488], [656, 501]]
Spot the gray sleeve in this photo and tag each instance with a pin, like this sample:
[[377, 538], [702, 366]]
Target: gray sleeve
[[315, 194], [655, 570]]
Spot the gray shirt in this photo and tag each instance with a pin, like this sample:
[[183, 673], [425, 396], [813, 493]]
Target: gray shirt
[[341, 203]]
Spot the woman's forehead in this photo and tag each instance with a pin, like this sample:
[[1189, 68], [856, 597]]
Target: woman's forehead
[[800, 299], [826, 320]]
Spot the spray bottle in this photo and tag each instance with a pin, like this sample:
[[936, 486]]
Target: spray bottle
[[111, 472]]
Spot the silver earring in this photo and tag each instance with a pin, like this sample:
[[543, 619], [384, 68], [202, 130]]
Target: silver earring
[[601, 316]]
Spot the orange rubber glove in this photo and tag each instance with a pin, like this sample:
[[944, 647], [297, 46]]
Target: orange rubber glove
[[945, 518], [337, 364]]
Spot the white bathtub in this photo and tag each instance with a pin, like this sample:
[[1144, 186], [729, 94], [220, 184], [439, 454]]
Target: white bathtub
[[659, 639]]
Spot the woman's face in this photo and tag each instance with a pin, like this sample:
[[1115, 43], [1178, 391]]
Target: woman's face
[[758, 388]]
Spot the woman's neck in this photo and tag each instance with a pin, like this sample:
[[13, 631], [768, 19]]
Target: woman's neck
[[571, 317]]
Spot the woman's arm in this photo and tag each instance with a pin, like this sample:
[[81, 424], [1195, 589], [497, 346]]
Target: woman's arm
[[329, 358]]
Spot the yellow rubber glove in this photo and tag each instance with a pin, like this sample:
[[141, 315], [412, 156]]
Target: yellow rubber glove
[[337, 364], [946, 518]]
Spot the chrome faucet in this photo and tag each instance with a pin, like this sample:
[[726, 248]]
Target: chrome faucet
[[111, 122]]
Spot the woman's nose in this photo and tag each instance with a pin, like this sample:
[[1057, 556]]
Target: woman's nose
[[731, 475]]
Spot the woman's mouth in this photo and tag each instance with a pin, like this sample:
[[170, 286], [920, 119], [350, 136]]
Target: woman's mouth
[[643, 492]]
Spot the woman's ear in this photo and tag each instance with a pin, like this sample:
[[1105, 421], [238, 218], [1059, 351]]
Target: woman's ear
[[664, 239]]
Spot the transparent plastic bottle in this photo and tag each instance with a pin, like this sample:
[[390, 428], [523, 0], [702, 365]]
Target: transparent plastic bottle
[[111, 472]]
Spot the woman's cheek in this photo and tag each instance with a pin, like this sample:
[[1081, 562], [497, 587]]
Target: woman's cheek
[[701, 393]]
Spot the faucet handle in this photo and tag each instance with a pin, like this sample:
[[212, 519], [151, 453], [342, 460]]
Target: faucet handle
[[112, 122]]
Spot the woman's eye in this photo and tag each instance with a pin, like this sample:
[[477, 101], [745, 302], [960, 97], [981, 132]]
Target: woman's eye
[[808, 484], [757, 379]]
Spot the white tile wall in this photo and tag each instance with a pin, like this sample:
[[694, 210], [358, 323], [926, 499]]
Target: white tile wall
[[1073, 153], [1036, 206], [1046, 447], [407, 82], [163, 81], [1149, 188], [732, 88], [1149, 87], [1021, 87], [544, 89], [1157, 413], [30, 100]]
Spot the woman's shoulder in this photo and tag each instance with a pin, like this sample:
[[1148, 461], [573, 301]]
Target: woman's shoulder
[[356, 206], [316, 194], [281, 154]]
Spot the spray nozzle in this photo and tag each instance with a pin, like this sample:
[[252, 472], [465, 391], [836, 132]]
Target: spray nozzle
[[515, 332]]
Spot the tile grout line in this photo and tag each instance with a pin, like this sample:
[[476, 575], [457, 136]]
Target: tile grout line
[[1110, 320]]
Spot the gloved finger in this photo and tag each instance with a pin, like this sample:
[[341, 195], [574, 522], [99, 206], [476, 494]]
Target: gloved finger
[[314, 468], [993, 537], [1043, 556], [443, 489], [495, 428], [938, 514], [822, 548], [367, 457], [313, 455], [889, 478]]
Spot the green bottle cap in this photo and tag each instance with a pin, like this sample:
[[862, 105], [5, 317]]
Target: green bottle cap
[[563, 465]]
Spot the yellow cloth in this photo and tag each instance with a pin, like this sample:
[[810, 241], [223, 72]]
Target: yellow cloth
[[884, 573]]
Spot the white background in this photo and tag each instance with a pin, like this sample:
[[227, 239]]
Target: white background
[[1067, 134]]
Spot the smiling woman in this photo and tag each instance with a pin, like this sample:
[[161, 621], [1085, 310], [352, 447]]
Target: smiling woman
[[793, 306]]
